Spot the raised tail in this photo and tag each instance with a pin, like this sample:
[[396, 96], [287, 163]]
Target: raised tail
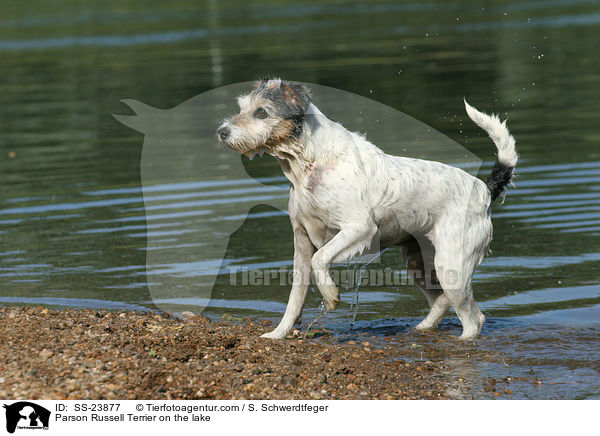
[[504, 168]]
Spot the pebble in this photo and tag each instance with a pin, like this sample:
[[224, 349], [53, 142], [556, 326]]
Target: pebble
[[187, 315], [46, 354], [168, 358]]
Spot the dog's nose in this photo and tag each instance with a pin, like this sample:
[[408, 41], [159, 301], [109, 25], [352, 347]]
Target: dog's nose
[[223, 133]]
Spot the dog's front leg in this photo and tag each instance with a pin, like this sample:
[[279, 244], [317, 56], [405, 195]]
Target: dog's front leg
[[350, 241], [303, 251]]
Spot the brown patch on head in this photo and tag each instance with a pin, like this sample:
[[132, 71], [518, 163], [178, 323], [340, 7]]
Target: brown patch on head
[[291, 99], [263, 84], [289, 96], [282, 132]]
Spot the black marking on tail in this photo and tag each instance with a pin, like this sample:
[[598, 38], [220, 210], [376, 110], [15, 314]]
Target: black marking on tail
[[501, 176]]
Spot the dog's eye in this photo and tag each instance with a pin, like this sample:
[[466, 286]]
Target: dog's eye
[[260, 113]]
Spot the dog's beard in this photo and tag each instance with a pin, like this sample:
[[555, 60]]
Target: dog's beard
[[249, 149], [276, 139]]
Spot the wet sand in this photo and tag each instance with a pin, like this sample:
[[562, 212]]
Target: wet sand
[[91, 354]]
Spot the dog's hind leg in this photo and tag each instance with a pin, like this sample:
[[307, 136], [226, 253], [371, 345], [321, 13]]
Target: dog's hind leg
[[455, 262], [439, 304], [420, 269], [350, 241]]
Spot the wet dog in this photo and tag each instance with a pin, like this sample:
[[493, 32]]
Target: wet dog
[[348, 197]]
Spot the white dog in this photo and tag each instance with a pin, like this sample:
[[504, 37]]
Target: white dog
[[348, 197]]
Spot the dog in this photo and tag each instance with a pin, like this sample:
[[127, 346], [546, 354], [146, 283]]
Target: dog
[[347, 197]]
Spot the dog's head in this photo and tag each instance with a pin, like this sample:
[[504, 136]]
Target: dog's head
[[270, 116]]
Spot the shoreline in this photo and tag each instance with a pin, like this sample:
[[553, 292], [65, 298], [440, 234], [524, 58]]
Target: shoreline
[[97, 354]]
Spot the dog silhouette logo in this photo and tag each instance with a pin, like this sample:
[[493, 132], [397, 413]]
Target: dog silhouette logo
[[26, 415]]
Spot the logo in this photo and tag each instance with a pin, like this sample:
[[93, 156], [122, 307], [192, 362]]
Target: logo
[[208, 191], [26, 415]]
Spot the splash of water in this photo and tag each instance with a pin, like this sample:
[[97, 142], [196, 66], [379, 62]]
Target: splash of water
[[354, 303], [357, 283]]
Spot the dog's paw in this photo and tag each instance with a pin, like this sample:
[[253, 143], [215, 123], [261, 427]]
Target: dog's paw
[[473, 332], [425, 325], [331, 304], [273, 335]]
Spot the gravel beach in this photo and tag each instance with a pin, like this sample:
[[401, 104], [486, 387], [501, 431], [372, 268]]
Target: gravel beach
[[91, 354]]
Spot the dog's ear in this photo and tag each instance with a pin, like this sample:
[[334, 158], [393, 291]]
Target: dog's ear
[[296, 96]]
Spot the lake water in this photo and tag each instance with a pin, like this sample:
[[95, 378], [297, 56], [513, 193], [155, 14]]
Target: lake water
[[76, 230]]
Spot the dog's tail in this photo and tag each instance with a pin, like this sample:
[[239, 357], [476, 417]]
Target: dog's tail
[[503, 170]]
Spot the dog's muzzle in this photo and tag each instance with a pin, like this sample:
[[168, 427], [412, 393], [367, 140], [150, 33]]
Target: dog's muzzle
[[223, 133]]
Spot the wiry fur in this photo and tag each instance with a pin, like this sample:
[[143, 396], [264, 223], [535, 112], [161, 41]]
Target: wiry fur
[[348, 197], [503, 170]]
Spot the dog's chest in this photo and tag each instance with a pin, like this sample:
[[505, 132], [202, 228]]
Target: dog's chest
[[314, 216], [319, 225]]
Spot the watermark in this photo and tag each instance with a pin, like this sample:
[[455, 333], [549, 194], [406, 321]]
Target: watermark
[[25, 415], [198, 193], [345, 278]]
